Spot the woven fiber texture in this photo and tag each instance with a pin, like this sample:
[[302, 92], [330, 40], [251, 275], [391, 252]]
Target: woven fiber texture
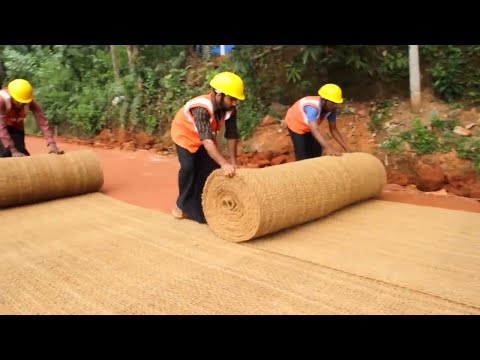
[[431, 250], [97, 255], [44, 177], [256, 202]]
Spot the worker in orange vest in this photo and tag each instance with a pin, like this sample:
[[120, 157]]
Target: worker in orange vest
[[15, 102], [304, 118], [194, 131]]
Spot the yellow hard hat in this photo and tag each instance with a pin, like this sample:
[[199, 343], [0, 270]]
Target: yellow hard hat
[[229, 84], [21, 90], [331, 92]]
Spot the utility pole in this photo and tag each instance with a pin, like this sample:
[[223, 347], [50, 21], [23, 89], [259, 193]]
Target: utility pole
[[414, 69]]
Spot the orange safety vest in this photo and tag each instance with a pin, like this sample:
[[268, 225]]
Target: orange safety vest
[[184, 132], [296, 118], [14, 118]]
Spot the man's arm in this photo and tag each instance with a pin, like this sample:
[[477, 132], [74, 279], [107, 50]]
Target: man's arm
[[4, 135], [201, 118], [336, 135], [231, 134], [312, 116], [42, 122]]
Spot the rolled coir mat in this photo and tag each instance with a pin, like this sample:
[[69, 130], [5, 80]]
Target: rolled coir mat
[[256, 202], [31, 179]]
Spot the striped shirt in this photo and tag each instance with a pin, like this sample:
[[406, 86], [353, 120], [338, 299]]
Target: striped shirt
[[37, 111], [202, 122]]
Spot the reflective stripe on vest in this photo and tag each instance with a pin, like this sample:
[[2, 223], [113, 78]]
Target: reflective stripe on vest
[[202, 102], [308, 102], [7, 98]]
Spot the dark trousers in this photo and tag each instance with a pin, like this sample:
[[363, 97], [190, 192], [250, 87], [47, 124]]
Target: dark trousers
[[305, 145], [194, 171], [18, 138]]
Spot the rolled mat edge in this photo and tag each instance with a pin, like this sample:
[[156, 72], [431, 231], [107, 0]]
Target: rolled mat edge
[[257, 202], [31, 179]]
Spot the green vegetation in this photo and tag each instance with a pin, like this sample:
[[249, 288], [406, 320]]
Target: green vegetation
[[439, 138], [83, 90]]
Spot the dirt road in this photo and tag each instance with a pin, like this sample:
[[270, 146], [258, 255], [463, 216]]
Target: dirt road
[[149, 180]]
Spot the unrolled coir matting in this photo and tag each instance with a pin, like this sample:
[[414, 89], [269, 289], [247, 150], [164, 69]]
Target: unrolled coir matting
[[96, 255]]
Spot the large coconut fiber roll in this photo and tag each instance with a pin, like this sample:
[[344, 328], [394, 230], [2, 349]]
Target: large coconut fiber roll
[[32, 179], [256, 202]]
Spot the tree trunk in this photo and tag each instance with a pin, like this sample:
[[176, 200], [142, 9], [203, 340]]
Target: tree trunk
[[116, 69], [132, 52], [414, 69], [2, 74], [206, 52]]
